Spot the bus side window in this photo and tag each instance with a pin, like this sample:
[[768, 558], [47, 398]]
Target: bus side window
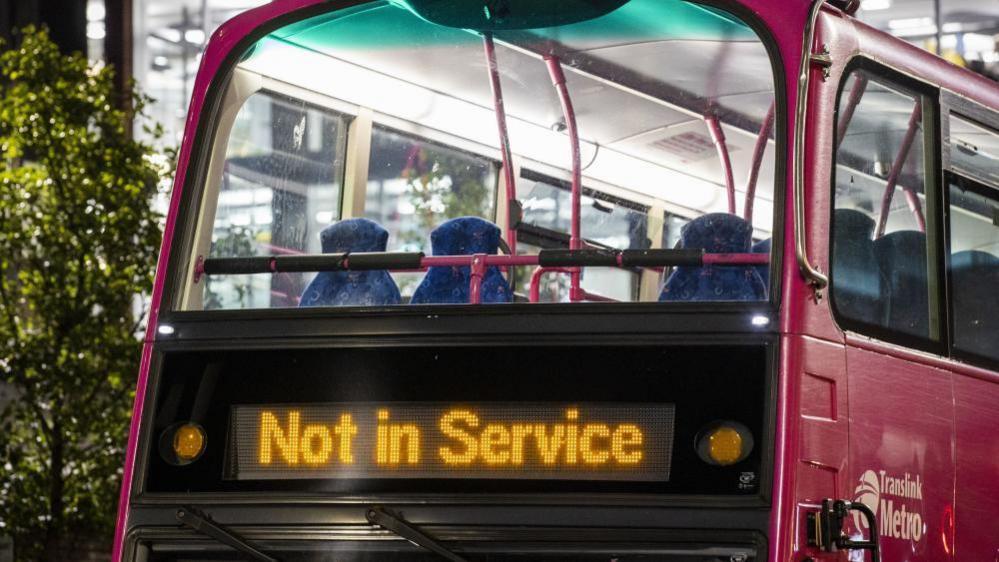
[[414, 185], [882, 273], [607, 222], [280, 187], [973, 264]]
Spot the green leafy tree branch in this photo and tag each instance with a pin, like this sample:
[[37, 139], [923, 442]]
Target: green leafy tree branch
[[78, 244]]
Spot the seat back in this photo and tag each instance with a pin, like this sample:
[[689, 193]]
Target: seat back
[[857, 280], [450, 285], [901, 256], [715, 233], [352, 288], [975, 280]]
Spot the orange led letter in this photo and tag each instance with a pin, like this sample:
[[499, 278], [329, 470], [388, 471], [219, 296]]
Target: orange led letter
[[519, 432], [317, 445], [549, 446], [586, 445], [286, 441], [382, 444], [627, 435], [346, 430], [572, 415], [495, 439], [411, 434], [448, 455]]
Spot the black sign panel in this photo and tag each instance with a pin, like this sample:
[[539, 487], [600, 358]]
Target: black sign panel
[[435, 404]]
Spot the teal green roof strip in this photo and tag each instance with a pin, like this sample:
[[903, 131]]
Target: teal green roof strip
[[384, 25], [324, 19], [654, 20]]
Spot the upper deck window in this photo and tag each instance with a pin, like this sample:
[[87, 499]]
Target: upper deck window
[[973, 263], [280, 184], [373, 128], [883, 271]]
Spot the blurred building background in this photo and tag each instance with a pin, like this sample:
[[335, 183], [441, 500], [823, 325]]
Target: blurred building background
[[169, 36], [963, 31], [159, 42]]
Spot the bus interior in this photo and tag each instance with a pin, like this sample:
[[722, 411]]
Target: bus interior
[[372, 131], [885, 257], [368, 129]]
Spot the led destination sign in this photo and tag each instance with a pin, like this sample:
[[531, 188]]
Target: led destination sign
[[350, 440]]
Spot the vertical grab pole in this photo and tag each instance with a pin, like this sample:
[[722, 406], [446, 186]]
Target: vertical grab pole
[[754, 170], [896, 171], [504, 138], [575, 241], [477, 271], [718, 136]]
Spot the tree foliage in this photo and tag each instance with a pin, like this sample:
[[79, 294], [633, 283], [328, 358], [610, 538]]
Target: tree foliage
[[442, 186], [78, 243]]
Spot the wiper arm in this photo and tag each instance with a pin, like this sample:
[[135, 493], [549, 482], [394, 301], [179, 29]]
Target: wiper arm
[[203, 524], [397, 525]]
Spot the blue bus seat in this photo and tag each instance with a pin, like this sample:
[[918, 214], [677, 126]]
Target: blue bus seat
[[763, 270], [450, 285], [901, 256], [715, 233], [857, 279], [975, 280], [352, 288]]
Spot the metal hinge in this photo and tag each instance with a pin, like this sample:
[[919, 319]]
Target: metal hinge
[[822, 59], [825, 528]]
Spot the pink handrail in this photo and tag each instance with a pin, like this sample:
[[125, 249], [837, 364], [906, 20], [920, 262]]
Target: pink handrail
[[280, 249], [478, 264], [735, 259], [856, 92], [535, 289], [754, 170], [478, 271], [535, 292], [896, 170], [489, 259], [465, 260], [504, 138], [575, 240], [718, 136]]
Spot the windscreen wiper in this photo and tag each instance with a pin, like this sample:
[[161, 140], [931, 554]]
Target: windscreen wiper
[[397, 525], [203, 524]]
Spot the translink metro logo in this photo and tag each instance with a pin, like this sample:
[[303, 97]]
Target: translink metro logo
[[896, 501]]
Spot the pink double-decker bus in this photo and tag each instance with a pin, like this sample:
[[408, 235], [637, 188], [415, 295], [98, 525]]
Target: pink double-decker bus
[[631, 280]]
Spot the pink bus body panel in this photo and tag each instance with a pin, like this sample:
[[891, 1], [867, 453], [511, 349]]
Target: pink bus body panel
[[917, 441], [845, 404]]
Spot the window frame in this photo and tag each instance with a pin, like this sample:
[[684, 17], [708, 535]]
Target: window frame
[[987, 118], [938, 341], [186, 208]]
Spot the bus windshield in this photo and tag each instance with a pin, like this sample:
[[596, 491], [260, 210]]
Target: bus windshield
[[368, 157]]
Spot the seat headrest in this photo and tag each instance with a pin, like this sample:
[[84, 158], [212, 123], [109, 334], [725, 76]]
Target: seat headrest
[[717, 233], [353, 235], [465, 235], [910, 243], [853, 223], [973, 259]]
